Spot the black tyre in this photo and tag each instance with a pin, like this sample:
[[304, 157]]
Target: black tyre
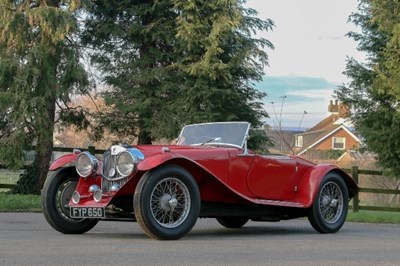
[[167, 202], [232, 222], [56, 193], [329, 210]]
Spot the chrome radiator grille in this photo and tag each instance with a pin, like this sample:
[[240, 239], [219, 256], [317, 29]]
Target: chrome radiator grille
[[112, 180]]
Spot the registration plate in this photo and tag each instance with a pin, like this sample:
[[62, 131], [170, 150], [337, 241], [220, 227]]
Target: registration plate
[[87, 212]]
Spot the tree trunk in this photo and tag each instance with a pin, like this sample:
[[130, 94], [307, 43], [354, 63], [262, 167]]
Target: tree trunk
[[144, 137], [32, 180], [44, 148]]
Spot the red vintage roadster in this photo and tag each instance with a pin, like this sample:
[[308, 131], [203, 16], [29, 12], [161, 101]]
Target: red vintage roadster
[[210, 173]]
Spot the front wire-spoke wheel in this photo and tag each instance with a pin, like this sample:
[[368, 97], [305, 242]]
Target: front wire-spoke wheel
[[329, 210], [167, 202], [63, 196], [170, 202], [56, 194]]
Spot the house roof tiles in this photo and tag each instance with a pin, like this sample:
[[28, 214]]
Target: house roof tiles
[[322, 130]]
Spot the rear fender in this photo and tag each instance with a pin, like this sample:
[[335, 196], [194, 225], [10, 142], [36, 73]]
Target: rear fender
[[311, 180], [67, 160]]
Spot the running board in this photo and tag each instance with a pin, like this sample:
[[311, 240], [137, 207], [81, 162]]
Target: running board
[[279, 203]]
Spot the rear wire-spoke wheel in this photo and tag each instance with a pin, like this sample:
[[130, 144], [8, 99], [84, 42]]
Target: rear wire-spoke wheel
[[233, 222], [331, 203], [329, 211], [56, 194], [167, 202]]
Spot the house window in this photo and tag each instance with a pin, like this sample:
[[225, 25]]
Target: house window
[[338, 143], [299, 141]]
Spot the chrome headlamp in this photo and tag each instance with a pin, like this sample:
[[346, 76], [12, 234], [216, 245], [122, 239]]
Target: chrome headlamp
[[126, 163], [86, 164]]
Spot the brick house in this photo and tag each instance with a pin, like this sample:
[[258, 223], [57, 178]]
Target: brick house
[[333, 133]]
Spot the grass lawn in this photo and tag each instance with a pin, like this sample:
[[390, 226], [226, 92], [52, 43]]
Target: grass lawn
[[19, 203], [374, 217]]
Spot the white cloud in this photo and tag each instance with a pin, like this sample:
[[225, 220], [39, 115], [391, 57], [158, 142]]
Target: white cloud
[[310, 44], [309, 36], [301, 108], [325, 94]]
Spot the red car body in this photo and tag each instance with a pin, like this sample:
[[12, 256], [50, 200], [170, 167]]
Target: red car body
[[234, 185]]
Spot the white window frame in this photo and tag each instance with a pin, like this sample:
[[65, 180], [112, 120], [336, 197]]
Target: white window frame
[[299, 141], [334, 141]]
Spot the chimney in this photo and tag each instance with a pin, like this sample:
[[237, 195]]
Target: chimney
[[333, 108], [338, 108]]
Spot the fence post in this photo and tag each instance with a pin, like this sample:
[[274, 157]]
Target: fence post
[[356, 199], [92, 149]]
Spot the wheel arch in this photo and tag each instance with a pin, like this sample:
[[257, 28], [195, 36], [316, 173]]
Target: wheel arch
[[66, 169], [65, 161], [352, 186], [210, 186], [311, 180], [173, 159]]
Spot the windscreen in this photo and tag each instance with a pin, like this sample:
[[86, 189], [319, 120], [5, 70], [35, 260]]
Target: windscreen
[[229, 133]]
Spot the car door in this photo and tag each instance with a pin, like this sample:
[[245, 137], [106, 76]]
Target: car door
[[273, 177]]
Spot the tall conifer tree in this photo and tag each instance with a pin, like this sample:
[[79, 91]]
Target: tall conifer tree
[[374, 91], [222, 59], [176, 62], [39, 65]]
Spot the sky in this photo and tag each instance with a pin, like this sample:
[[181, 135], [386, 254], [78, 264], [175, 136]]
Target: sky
[[309, 57]]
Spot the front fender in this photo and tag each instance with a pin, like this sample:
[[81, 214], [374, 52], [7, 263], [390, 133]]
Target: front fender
[[64, 161], [157, 160], [311, 180]]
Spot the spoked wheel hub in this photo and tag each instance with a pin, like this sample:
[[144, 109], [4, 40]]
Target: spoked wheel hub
[[170, 202], [331, 203]]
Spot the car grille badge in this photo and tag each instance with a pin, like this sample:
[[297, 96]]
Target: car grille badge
[[111, 173]]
